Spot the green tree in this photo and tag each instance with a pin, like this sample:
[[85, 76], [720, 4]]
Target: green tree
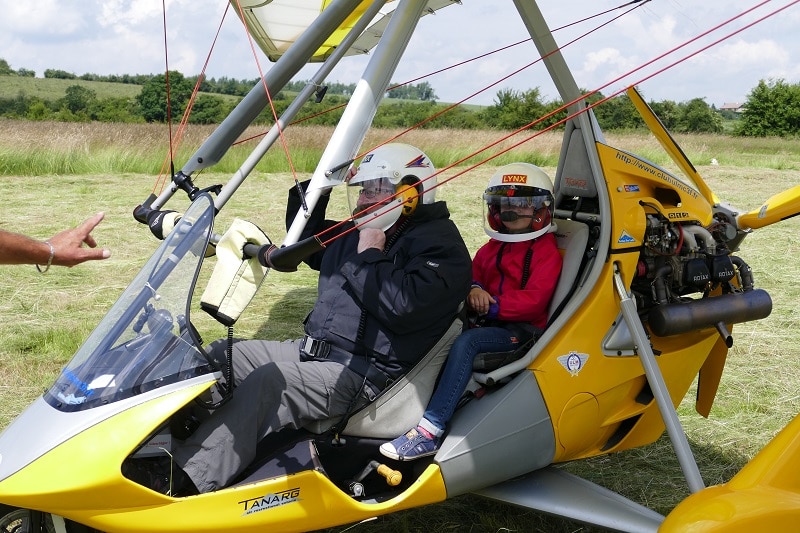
[[514, 109], [65, 115], [772, 108], [17, 106], [668, 112], [208, 109], [618, 113], [421, 91], [697, 117], [403, 114], [38, 110], [459, 117], [79, 98], [118, 109], [59, 74], [5, 68], [153, 98]]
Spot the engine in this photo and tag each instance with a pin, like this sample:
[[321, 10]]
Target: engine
[[688, 280]]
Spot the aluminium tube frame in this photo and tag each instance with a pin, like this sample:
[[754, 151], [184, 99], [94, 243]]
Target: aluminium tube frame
[[218, 143], [298, 102], [357, 117]]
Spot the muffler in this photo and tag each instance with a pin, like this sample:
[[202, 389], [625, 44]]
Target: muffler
[[677, 318]]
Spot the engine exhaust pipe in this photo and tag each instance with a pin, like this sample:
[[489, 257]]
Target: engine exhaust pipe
[[676, 318]]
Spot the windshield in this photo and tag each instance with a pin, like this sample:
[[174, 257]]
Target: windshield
[[146, 340]]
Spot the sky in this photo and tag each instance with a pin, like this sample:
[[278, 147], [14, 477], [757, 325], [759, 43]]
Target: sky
[[127, 37]]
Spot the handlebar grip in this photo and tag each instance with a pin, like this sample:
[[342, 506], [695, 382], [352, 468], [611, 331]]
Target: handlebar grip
[[251, 250], [285, 258], [141, 211]]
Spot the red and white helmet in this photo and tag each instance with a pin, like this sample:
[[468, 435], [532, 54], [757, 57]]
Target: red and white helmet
[[513, 187], [395, 176]]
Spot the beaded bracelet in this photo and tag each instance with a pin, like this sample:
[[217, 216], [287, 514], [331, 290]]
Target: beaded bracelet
[[49, 259]]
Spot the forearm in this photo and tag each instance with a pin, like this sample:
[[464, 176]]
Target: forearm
[[16, 249]]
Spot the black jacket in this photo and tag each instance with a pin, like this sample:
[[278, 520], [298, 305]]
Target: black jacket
[[408, 294]]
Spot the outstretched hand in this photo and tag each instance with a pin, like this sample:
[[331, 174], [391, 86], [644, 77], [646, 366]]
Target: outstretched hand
[[68, 244]]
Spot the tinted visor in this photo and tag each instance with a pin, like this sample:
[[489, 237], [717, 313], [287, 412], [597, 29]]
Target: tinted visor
[[518, 197]]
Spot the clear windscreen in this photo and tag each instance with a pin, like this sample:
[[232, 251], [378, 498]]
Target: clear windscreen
[[146, 340]]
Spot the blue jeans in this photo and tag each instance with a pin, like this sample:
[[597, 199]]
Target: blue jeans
[[458, 370]]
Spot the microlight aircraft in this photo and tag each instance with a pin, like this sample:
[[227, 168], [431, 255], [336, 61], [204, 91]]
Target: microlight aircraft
[[651, 289]]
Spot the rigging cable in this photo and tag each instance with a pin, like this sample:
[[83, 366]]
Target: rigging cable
[[589, 106], [453, 106], [166, 83], [621, 77], [594, 104], [178, 137], [269, 97], [475, 58], [509, 46]]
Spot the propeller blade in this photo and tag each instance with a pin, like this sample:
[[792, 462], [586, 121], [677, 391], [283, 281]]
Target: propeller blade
[[709, 377], [783, 205]]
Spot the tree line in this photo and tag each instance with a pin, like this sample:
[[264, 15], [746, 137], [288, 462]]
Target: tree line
[[772, 107]]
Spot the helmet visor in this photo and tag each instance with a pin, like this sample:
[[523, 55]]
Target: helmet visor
[[512, 196], [372, 202], [366, 194], [518, 202]]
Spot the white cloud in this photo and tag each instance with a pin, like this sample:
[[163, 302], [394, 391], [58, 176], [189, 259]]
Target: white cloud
[[43, 19], [741, 55], [608, 60], [126, 37], [115, 13]]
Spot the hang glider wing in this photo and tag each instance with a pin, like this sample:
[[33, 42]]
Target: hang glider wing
[[276, 24]]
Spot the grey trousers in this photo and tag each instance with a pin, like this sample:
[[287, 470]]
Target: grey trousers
[[274, 390]]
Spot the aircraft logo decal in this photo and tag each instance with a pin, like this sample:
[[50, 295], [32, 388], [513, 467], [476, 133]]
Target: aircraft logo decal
[[573, 362], [270, 501], [418, 161], [514, 178], [625, 238], [577, 183]]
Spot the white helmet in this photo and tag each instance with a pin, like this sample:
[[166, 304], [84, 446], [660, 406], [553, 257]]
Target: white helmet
[[391, 176], [513, 188]]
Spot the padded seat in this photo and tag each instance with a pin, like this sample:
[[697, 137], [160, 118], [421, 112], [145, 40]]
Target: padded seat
[[572, 238], [401, 405]]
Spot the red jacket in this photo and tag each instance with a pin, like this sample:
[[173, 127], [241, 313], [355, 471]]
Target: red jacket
[[498, 268]]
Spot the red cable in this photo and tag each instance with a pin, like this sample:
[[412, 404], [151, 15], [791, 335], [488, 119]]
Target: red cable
[[166, 83], [590, 106], [461, 63], [179, 135], [269, 96], [448, 108]]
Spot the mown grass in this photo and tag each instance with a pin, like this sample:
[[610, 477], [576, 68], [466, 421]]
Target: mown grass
[[46, 317]]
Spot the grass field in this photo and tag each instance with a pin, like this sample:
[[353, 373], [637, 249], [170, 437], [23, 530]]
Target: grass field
[[55, 88], [46, 317], [59, 148]]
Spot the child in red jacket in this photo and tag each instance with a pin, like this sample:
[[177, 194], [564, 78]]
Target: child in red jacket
[[514, 277]]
